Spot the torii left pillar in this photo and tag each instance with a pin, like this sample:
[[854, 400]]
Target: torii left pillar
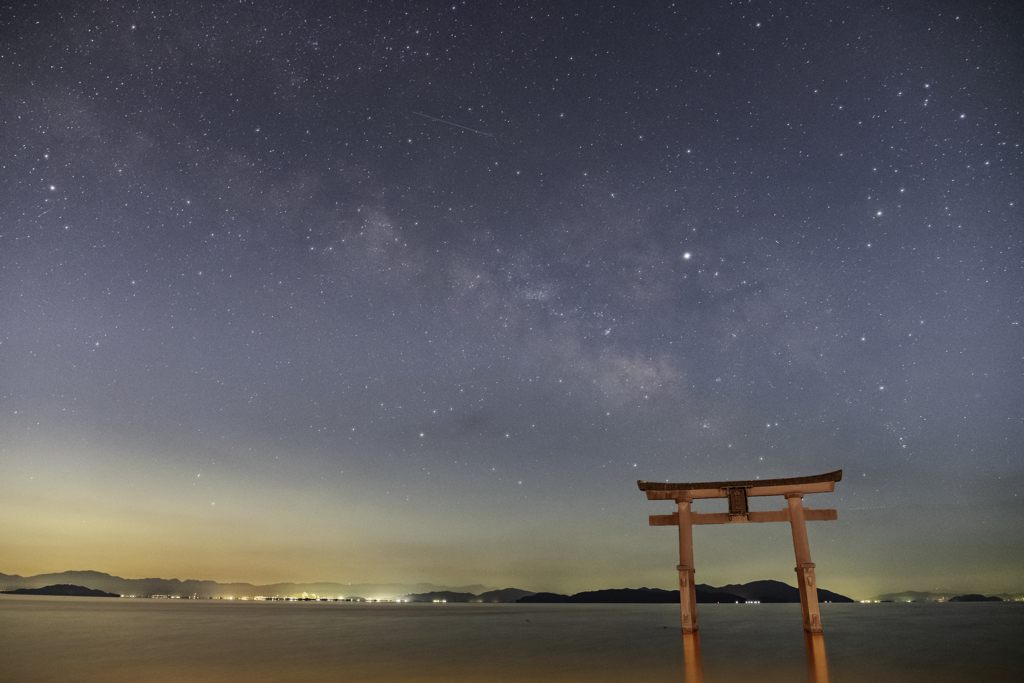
[[687, 589]]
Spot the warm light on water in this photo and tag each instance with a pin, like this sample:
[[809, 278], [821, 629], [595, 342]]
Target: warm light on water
[[50, 640]]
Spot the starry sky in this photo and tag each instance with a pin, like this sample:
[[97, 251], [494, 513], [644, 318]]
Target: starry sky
[[416, 291]]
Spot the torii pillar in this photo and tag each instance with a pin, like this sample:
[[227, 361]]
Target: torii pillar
[[804, 567], [737, 493], [687, 588]]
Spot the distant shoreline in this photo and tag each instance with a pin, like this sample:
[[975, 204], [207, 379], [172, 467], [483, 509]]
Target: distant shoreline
[[334, 591]]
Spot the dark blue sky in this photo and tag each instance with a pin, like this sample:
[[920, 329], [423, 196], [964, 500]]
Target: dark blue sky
[[417, 291]]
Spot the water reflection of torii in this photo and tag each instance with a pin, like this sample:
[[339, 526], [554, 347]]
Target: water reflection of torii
[[737, 493]]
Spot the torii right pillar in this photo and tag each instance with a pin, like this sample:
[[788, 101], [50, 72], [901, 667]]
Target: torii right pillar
[[804, 566]]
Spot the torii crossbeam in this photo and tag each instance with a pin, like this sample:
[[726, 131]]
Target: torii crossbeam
[[737, 493]]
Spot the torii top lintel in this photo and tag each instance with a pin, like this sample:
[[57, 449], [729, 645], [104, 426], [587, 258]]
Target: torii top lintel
[[818, 483]]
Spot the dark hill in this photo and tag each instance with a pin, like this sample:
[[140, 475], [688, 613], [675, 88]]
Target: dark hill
[[707, 594], [543, 597], [441, 596], [771, 591], [974, 597], [503, 595], [628, 595], [756, 591], [64, 589]]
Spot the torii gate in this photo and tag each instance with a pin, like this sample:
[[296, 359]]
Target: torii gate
[[737, 493]]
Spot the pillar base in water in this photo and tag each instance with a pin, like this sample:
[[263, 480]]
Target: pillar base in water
[[817, 664], [693, 667]]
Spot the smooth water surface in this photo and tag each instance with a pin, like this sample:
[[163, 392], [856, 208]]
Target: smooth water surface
[[50, 640]]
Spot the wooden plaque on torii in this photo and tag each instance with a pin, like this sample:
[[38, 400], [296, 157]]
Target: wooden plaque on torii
[[737, 492]]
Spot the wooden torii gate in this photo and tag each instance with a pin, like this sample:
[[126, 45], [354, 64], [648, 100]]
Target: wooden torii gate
[[737, 493]]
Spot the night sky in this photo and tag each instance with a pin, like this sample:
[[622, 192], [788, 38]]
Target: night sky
[[369, 292]]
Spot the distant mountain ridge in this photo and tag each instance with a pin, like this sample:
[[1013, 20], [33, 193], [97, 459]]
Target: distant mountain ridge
[[939, 596], [213, 589], [755, 591]]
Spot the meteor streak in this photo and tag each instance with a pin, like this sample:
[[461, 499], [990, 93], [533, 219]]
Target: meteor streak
[[471, 130]]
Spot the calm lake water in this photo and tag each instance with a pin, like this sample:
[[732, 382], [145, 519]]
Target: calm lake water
[[111, 640]]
